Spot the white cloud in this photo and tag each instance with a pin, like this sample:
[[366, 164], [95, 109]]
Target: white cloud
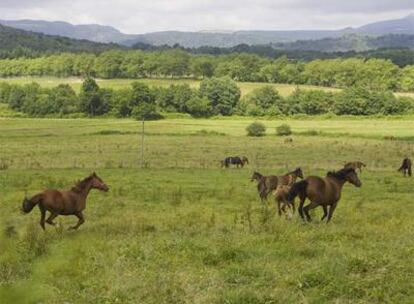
[[132, 16]]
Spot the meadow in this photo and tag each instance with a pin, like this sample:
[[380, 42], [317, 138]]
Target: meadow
[[182, 230]]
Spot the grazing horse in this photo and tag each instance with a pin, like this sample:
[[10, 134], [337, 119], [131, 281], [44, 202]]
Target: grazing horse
[[267, 184], [355, 165], [71, 202], [234, 160], [323, 192], [406, 167]]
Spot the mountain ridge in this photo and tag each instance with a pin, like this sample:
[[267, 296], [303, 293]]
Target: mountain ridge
[[105, 34]]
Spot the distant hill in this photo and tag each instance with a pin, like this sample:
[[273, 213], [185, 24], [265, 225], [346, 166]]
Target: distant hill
[[101, 33], [12, 39], [351, 42], [399, 26], [92, 32]]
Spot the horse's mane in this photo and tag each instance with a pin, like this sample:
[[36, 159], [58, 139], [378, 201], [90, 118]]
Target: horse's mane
[[292, 172], [341, 174], [258, 174], [80, 185]]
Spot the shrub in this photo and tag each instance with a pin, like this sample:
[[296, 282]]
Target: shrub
[[256, 129], [283, 130]]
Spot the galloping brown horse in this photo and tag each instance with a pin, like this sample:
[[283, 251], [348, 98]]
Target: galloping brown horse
[[71, 202], [324, 191], [267, 184]]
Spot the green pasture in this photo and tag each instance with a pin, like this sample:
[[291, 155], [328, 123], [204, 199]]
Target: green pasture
[[182, 230]]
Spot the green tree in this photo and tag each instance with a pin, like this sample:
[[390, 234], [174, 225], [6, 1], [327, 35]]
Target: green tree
[[202, 66], [261, 101], [223, 93], [90, 101], [199, 106], [407, 79]]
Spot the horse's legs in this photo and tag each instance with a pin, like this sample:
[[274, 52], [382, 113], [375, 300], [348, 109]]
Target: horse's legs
[[309, 207], [331, 211], [42, 217], [300, 208], [279, 209], [325, 212], [51, 218], [79, 215]]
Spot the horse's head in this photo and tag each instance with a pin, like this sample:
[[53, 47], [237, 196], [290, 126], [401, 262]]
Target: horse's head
[[98, 183], [256, 177], [347, 175], [298, 172], [244, 160], [351, 176]]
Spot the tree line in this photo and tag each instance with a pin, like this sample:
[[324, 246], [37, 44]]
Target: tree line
[[376, 74], [215, 96]]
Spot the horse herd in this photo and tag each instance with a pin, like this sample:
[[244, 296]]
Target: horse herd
[[321, 191]]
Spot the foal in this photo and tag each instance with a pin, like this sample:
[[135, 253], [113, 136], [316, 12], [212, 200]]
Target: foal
[[71, 202], [282, 202], [267, 184]]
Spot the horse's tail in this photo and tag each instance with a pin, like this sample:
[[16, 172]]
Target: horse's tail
[[409, 171], [29, 204], [296, 189]]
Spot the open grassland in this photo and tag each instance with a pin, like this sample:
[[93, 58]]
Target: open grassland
[[182, 230], [245, 87]]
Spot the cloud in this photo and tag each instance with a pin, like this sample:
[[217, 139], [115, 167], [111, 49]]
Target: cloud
[[136, 16]]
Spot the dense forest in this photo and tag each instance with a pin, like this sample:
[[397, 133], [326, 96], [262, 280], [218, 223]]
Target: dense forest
[[17, 43], [215, 96], [399, 56], [341, 73]]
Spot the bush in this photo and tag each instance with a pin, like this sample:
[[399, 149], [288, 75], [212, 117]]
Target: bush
[[283, 130], [256, 129]]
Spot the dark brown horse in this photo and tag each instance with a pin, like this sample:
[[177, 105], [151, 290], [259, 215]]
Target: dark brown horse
[[267, 184], [234, 160], [406, 167], [71, 202], [355, 165], [322, 191]]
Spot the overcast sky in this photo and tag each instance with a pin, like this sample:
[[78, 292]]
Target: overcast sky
[[137, 16]]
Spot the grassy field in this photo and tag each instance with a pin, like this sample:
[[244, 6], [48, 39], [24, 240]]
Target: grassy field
[[182, 230]]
